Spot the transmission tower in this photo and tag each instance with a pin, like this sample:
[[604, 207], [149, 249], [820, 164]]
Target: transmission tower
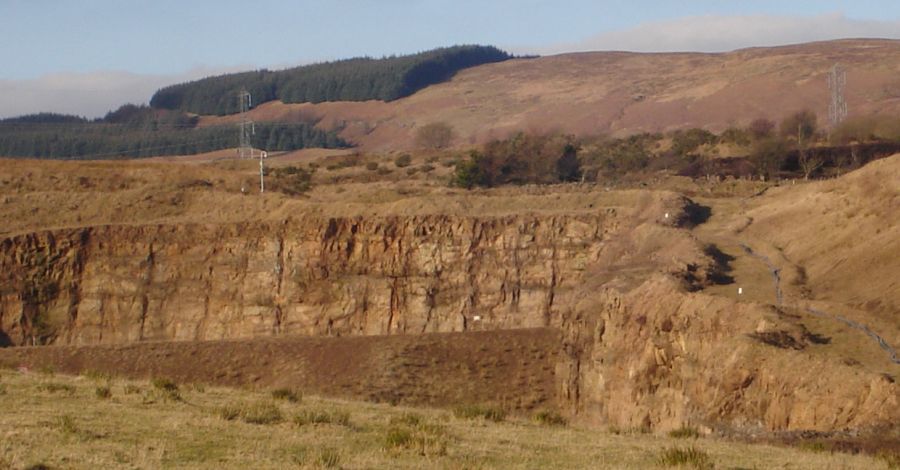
[[247, 127], [837, 81]]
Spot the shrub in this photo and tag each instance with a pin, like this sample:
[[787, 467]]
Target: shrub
[[549, 418], [737, 136], [103, 392], [372, 166], [403, 160], [800, 125], [686, 142], [290, 180], [687, 457], [426, 168], [286, 394], [684, 432], [768, 156], [132, 389], [483, 412], [761, 128], [434, 136]]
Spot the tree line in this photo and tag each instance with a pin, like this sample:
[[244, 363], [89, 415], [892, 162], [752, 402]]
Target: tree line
[[139, 131], [796, 146], [358, 79]]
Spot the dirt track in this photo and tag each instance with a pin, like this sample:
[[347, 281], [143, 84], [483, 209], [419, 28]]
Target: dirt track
[[513, 368]]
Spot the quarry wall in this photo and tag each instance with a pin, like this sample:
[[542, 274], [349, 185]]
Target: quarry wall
[[334, 276]]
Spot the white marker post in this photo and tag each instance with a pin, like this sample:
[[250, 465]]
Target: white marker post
[[740, 290], [262, 183]]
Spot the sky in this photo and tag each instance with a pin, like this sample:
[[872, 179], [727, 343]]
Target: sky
[[89, 56]]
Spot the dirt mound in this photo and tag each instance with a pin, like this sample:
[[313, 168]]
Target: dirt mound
[[617, 93]]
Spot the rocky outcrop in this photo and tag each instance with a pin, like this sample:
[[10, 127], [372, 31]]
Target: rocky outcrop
[[338, 276], [659, 358]]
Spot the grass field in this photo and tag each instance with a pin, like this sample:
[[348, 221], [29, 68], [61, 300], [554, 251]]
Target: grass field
[[93, 421]]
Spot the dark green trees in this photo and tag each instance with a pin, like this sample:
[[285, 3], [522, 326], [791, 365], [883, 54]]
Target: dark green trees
[[358, 79]]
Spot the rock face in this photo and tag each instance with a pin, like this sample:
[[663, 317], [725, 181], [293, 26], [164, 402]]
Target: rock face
[[340, 276], [659, 358], [636, 348]]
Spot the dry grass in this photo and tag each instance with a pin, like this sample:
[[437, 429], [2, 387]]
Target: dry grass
[[79, 431]]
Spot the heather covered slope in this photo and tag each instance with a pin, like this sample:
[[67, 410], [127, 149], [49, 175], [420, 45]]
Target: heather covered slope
[[618, 93]]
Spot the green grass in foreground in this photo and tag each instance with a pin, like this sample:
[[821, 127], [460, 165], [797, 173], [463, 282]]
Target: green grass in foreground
[[100, 422]]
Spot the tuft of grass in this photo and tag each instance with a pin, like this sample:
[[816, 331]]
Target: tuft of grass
[[425, 439], [55, 387], [408, 419], [252, 413], [329, 457], [890, 458], [286, 394], [483, 412], [65, 424], [813, 446], [36, 466], [397, 437], [685, 457], [97, 375], [549, 418], [164, 384], [167, 388], [685, 432], [130, 389], [341, 418], [103, 392]]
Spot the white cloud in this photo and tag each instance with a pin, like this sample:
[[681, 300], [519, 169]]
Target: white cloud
[[90, 94], [712, 33]]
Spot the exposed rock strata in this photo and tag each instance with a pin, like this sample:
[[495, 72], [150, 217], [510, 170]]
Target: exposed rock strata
[[337, 276]]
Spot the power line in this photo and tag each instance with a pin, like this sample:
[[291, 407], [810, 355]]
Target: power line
[[837, 81], [247, 129]]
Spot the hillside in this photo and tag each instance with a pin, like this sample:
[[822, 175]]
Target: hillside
[[154, 256], [617, 93]]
